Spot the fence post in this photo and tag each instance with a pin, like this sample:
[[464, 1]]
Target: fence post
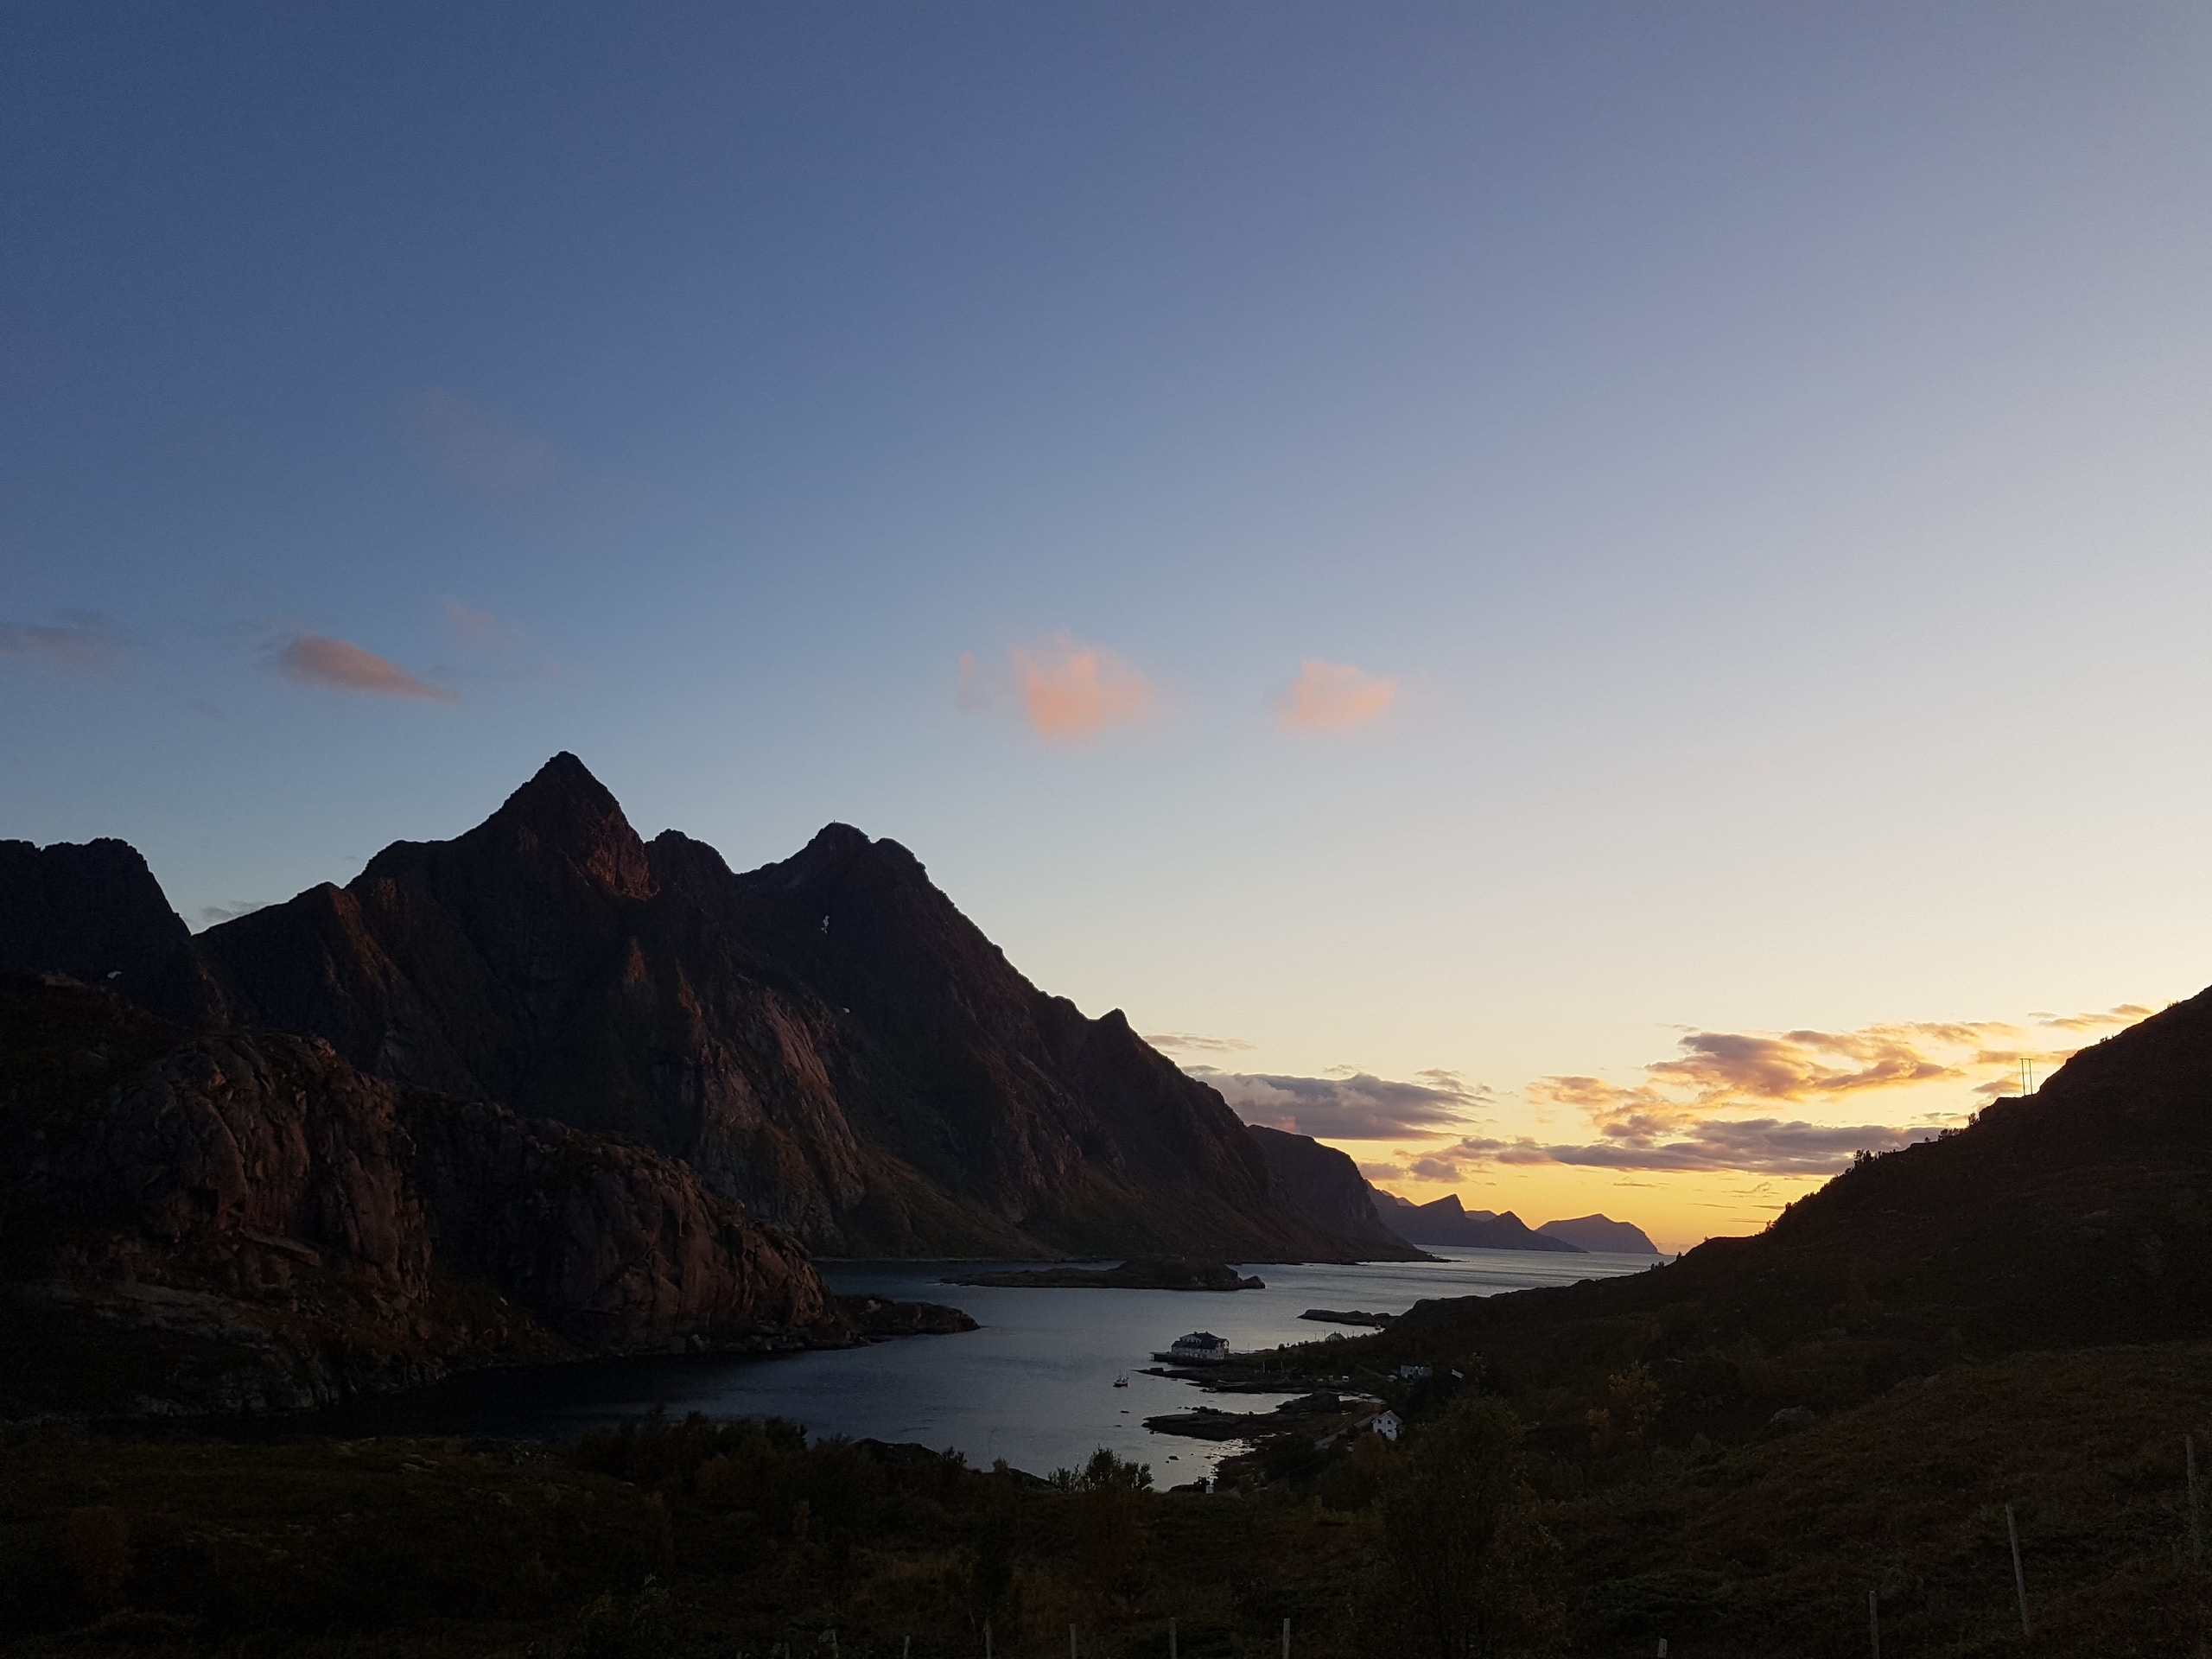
[[1874, 1621], [2019, 1578], [1071, 1653], [987, 1639], [1171, 1639], [2195, 1520], [1285, 1639]]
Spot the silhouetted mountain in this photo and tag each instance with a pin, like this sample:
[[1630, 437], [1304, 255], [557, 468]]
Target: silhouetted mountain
[[1326, 1188], [221, 1221], [94, 911], [1601, 1233], [1446, 1221], [826, 1040]]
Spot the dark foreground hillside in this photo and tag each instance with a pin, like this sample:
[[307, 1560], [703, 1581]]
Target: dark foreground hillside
[[685, 1542]]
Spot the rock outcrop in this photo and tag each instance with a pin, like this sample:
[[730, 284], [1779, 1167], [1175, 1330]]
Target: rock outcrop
[[214, 1220], [827, 1041], [1325, 1187]]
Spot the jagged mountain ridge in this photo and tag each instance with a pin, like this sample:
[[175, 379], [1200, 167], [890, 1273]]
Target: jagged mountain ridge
[[1446, 1221], [214, 1220], [827, 1040]]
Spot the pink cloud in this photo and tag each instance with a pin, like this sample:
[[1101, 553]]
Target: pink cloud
[[1073, 691], [1334, 697], [317, 659]]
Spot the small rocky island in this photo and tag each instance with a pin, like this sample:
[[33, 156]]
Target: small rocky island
[[1332, 1316], [1139, 1273]]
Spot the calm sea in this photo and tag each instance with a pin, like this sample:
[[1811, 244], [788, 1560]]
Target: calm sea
[[1033, 1386]]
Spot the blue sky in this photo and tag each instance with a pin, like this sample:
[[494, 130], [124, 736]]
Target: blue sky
[[1741, 471]]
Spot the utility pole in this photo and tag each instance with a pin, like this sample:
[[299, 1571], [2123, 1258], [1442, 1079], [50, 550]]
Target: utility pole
[[1285, 1639], [1874, 1621], [2019, 1578]]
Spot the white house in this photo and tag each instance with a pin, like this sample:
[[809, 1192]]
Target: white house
[[1386, 1424], [1200, 1347]]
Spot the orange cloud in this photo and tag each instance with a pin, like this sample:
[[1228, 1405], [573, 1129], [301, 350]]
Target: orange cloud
[[1073, 691], [1675, 1118], [1333, 697], [317, 659]]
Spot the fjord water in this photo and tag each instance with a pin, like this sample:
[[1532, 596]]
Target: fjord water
[[1033, 1385]]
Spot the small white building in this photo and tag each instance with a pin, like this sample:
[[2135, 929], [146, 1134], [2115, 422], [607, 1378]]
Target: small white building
[[1386, 1424], [1414, 1373], [1199, 1348]]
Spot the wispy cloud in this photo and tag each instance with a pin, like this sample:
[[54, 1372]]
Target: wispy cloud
[[214, 915], [1069, 689], [1333, 697], [318, 659], [479, 451], [1190, 1042], [82, 642], [480, 628], [2112, 1019], [1764, 1145], [1355, 1108]]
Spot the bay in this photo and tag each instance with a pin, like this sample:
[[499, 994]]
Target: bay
[[1034, 1385]]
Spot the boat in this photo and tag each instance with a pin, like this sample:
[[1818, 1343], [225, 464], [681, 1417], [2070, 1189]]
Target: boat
[[1122, 1380]]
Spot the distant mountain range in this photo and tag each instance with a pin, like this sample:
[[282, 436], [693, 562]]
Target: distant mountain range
[[826, 1042], [1446, 1221]]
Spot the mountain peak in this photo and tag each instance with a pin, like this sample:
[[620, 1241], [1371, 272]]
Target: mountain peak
[[566, 808]]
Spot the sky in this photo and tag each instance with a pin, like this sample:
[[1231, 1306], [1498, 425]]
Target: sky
[[1600, 604]]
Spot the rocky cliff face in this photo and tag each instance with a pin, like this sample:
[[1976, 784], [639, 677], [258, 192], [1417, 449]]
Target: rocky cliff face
[[1328, 1189], [212, 1220], [827, 1041]]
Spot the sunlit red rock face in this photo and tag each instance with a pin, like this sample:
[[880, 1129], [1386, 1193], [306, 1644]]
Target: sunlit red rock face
[[212, 1220], [827, 1040]]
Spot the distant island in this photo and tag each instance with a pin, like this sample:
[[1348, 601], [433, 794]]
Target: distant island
[[1139, 1273], [1602, 1233]]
